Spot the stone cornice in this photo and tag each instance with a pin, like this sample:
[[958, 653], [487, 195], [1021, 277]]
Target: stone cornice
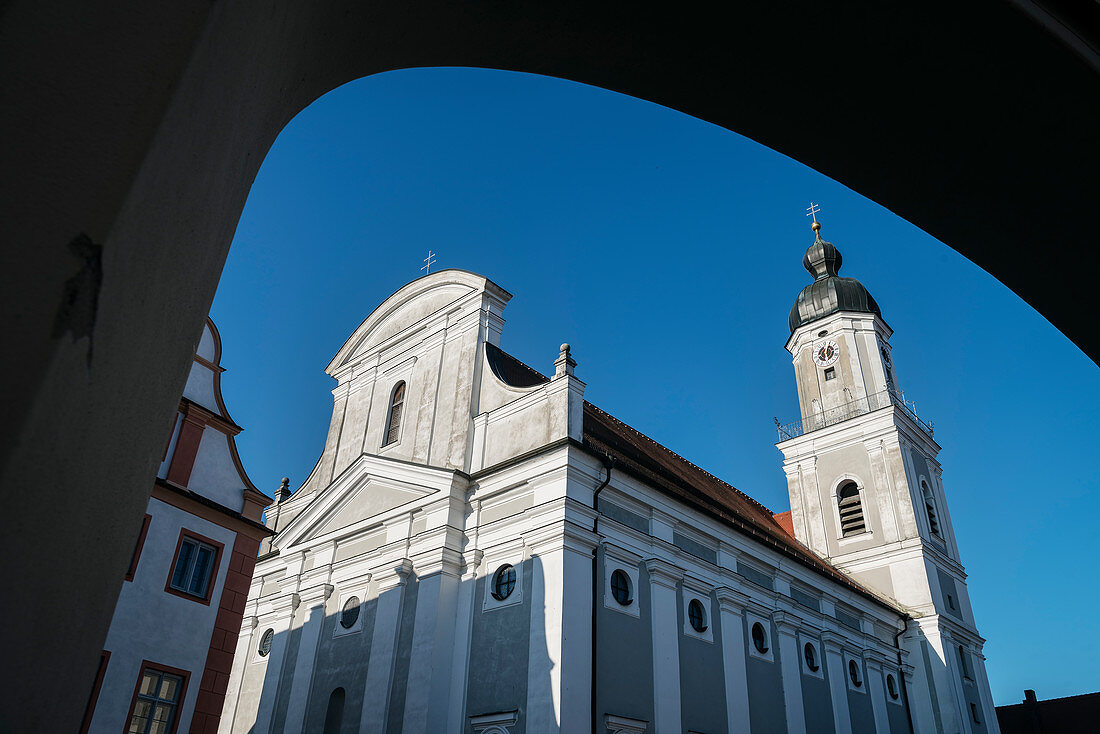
[[663, 573], [786, 623], [731, 600]]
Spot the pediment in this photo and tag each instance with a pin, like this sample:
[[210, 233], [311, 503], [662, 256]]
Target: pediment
[[370, 496]]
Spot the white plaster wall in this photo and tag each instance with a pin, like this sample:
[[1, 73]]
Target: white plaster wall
[[151, 624], [200, 387], [214, 474]]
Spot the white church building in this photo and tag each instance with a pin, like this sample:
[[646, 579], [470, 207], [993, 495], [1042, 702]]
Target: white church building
[[480, 550]]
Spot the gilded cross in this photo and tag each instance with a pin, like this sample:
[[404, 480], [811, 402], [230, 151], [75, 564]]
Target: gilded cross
[[812, 211]]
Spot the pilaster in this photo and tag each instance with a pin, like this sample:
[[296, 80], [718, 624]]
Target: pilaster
[[390, 583], [786, 627], [314, 600], [832, 643], [663, 578], [731, 604]]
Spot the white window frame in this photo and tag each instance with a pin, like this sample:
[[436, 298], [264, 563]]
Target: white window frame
[[619, 559], [498, 723], [750, 620], [338, 629], [401, 380], [841, 538], [862, 687], [803, 640], [897, 681], [516, 561], [693, 590]]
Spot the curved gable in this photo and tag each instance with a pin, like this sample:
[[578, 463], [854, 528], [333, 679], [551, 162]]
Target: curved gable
[[408, 308]]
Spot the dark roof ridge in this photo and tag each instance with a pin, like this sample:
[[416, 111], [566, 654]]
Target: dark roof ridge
[[681, 458]]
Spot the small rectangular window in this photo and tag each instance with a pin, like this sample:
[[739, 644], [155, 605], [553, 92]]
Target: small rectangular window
[[830, 374], [974, 713], [194, 567], [156, 701]]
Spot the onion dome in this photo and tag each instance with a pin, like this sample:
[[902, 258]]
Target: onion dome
[[829, 292]]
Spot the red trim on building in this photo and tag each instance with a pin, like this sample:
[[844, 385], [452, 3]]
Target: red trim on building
[[137, 548], [187, 448], [218, 547], [150, 665], [89, 710], [223, 641]]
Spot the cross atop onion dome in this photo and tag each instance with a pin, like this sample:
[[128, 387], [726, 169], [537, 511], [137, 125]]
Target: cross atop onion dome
[[829, 292]]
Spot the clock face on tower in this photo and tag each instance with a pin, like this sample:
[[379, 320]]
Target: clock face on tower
[[826, 353]]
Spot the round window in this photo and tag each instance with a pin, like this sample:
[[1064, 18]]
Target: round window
[[759, 638], [620, 587], [350, 613], [697, 616], [265, 643], [811, 657], [892, 687], [504, 582], [853, 673]]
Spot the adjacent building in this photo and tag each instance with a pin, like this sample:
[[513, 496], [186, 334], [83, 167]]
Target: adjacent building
[[166, 663], [478, 549]]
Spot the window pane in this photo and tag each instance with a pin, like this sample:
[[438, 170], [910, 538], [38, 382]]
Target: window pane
[[149, 684], [169, 688], [202, 570], [163, 713], [179, 575], [140, 719]]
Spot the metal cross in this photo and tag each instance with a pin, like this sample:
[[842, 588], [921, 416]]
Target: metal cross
[[812, 210], [428, 262]]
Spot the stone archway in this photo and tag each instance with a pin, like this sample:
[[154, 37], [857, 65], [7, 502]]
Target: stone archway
[[133, 132]]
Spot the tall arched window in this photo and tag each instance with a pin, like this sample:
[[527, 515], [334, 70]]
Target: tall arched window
[[393, 423], [851, 510], [334, 717], [930, 508]]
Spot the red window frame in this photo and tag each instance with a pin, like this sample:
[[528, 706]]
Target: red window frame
[[218, 549], [137, 548], [150, 665], [89, 710]]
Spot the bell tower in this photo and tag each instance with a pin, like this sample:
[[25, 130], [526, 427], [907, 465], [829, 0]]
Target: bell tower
[[866, 491]]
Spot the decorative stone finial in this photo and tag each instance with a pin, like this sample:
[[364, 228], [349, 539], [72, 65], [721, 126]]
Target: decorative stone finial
[[283, 492], [564, 364]]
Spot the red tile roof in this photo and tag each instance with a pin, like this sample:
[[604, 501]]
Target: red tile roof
[[784, 520], [636, 453]]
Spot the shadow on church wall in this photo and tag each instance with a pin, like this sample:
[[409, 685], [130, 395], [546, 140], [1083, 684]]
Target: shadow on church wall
[[394, 641]]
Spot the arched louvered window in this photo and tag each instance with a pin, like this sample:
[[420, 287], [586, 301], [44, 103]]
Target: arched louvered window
[[930, 508], [393, 423], [851, 510]]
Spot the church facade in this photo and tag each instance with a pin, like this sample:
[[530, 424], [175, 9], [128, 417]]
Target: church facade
[[478, 549]]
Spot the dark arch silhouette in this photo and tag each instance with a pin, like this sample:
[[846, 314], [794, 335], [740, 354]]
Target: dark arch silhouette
[[133, 132]]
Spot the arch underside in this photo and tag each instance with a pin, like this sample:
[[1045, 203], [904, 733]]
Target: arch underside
[[134, 131]]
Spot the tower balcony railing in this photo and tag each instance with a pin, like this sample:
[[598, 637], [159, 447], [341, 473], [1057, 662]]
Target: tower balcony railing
[[854, 409]]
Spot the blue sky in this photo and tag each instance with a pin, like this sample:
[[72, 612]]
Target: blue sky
[[667, 252]]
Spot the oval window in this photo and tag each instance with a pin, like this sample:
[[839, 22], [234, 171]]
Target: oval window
[[853, 673], [811, 657], [350, 613], [265, 643], [759, 638], [697, 616], [504, 582], [892, 686], [620, 587]]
